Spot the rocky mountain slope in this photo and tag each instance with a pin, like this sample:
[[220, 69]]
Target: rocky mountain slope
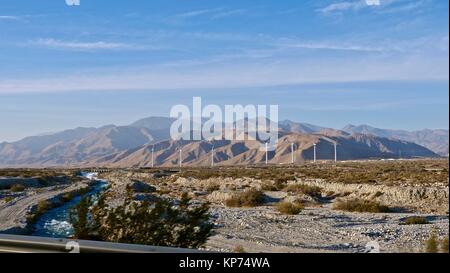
[[435, 140], [199, 153], [131, 146]]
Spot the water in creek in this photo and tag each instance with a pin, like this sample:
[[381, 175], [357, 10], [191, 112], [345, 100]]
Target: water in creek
[[55, 222]]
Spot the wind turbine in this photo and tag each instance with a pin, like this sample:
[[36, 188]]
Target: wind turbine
[[212, 156], [315, 155], [181, 157], [292, 153], [267, 155], [153, 162], [335, 151]]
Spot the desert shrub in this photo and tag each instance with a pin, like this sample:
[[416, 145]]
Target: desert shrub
[[239, 249], [378, 194], [268, 186], [432, 244], [17, 188], [312, 191], [159, 223], [444, 246], [43, 206], [415, 220], [278, 185], [289, 208], [212, 187], [44, 181], [248, 198], [163, 191], [67, 197], [358, 205]]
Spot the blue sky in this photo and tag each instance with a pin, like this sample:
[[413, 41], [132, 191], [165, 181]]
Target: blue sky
[[325, 62]]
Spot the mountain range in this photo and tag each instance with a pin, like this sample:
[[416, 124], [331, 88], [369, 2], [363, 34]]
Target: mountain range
[[131, 146]]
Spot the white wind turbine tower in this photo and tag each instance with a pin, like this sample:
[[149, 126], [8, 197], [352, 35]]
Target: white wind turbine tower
[[315, 155], [181, 157], [267, 151], [153, 151], [335, 151], [212, 156], [292, 153]]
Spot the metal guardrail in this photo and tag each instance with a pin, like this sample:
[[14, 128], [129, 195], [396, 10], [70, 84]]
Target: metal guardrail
[[31, 244]]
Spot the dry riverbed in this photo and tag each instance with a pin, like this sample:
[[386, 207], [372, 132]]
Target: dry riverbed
[[322, 229], [318, 227]]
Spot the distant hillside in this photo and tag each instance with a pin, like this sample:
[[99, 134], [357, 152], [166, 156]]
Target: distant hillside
[[198, 153], [131, 146], [72, 146], [296, 127], [435, 140]]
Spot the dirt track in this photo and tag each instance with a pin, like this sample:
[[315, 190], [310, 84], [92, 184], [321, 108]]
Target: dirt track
[[13, 214]]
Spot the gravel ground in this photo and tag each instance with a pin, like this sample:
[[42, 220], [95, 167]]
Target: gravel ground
[[263, 229]]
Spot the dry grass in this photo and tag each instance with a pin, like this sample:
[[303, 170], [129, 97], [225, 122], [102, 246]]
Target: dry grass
[[432, 244], [249, 198], [436, 245], [239, 249], [27, 173], [312, 191], [385, 172], [289, 208], [444, 246], [213, 187], [415, 220]]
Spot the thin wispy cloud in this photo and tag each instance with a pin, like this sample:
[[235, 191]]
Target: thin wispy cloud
[[406, 7], [195, 13], [356, 5], [252, 74], [343, 6], [75, 45], [335, 46], [228, 13], [381, 6], [211, 14], [10, 18]]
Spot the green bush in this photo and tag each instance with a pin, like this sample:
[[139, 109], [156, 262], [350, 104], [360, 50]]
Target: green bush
[[43, 206], [159, 223], [358, 205], [249, 198], [289, 208]]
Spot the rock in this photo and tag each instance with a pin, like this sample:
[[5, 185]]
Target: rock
[[145, 197], [141, 187]]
